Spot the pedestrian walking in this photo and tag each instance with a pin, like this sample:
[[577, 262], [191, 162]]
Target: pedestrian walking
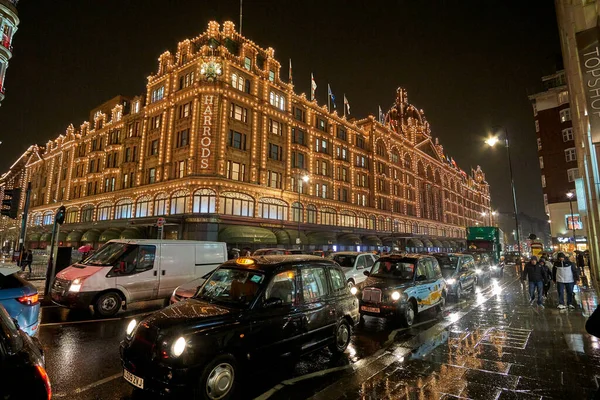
[[564, 275], [26, 260], [580, 260], [535, 274], [547, 275]]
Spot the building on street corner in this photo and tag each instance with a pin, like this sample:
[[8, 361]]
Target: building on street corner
[[224, 149], [558, 161]]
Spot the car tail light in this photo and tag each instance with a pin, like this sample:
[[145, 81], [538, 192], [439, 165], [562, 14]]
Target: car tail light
[[44, 375], [29, 300]]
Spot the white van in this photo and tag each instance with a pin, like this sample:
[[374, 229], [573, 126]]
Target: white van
[[126, 271]]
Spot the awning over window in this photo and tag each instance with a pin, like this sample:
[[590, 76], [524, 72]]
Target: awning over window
[[34, 237], [371, 241], [445, 243], [109, 234], [453, 244], [412, 242], [91, 236], [61, 237], [236, 235], [131, 233], [322, 238], [389, 241], [436, 243], [349, 239], [427, 243], [74, 236], [46, 237], [288, 236]]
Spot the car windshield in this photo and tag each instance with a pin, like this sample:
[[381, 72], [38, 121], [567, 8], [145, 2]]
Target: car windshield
[[448, 264], [108, 254], [402, 268], [344, 260], [232, 286]]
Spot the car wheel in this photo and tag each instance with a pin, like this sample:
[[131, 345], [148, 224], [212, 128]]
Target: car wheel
[[350, 284], [458, 292], [107, 304], [341, 338], [441, 306], [217, 381], [407, 318]]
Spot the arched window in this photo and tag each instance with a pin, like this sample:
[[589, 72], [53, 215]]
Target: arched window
[[272, 208], [381, 224], [142, 208], [179, 202], [372, 222], [160, 204], [297, 212], [37, 219], [48, 218], [415, 228], [234, 203], [205, 201], [71, 215], [104, 210], [361, 221], [395, 157], [407, 162], [327, 216], [124, 209], [381, 149], [396, 226], [87, 213], [347, 218], [311, 214]]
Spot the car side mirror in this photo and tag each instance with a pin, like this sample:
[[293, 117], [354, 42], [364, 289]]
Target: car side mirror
[[366, 273], [272, 302], [421, 278]]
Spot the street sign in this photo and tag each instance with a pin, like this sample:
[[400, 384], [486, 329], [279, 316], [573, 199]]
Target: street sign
[[160, 222]]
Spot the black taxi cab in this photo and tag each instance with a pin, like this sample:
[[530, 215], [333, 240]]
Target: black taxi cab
[[401, 286], [249, 308]]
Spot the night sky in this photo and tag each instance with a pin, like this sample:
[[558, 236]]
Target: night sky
[[468, 64]]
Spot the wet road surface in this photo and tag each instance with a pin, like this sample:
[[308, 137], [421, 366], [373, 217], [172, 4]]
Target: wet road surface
[[490, 345]]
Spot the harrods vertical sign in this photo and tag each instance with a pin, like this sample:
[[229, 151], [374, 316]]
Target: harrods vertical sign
[[588, 47], [207, 135]]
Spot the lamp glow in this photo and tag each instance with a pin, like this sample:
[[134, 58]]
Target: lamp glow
[[396, 296], [178, 347]]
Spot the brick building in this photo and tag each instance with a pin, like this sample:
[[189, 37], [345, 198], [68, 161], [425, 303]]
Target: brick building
[[9, 21]]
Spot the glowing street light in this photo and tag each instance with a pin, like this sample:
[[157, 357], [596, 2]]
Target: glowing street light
[[570, 196], [492, 141]]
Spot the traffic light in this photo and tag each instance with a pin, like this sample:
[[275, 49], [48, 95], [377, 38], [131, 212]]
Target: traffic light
[[60, 215], [10, 203]]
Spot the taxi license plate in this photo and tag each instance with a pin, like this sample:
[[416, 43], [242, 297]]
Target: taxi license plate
[[134, 380], [370, 309]]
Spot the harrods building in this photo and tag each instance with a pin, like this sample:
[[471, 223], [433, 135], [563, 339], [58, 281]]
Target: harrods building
[[220, 146]]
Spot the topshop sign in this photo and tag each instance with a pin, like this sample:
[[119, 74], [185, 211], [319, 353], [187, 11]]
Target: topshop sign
[[588, 46]]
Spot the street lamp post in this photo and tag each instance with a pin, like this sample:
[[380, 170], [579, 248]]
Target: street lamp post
[[492, 141], [570, 196], [305, 180]]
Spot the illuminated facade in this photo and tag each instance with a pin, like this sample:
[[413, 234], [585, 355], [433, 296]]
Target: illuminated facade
[[217, 146], [8, 26]]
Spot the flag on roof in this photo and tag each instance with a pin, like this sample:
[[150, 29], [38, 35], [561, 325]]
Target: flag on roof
[[313, 87]]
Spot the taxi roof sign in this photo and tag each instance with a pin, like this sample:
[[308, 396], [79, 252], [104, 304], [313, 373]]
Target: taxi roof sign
[[244, 261]]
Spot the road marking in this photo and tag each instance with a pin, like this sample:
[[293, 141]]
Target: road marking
[[95, 320], [90, 386]]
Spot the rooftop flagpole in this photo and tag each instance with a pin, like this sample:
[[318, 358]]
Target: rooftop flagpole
[[241, 16]]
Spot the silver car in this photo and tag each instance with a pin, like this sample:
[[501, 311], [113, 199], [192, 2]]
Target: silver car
[[354, 265]]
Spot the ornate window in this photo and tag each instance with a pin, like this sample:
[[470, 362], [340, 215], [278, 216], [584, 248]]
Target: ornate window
[[48, 218], [104, 210], [372, 222], [234, 203], [142, 208], [37, 219], [297, 212], [71, 215], [179, 202], [87, 213], [204, 201], [311, 214], [362, 221], [124, 209], [160, 204], [272, 208], [347, 218], [327, 216]]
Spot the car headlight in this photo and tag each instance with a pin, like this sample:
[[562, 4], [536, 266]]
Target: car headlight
[[131, 327], [396, 296], [451, 281], [178, 347], [76, 285], [477, 271], [353, 290]]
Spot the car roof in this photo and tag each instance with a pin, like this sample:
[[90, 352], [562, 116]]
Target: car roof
[[407, 255], [270, 263], [350, 253], [452, 254]]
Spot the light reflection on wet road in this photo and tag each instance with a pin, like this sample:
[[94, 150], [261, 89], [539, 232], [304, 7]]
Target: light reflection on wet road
[[83, 359]]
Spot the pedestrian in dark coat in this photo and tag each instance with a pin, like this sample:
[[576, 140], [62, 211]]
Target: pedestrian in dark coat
[[565, 275], [580, 260], [26, 260], [536, 276], [547, 275]]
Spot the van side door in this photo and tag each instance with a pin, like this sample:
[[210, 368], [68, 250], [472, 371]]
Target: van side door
[[176, 266], [137, 273]]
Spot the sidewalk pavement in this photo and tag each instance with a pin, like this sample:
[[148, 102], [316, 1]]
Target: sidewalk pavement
[[501, 349]]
